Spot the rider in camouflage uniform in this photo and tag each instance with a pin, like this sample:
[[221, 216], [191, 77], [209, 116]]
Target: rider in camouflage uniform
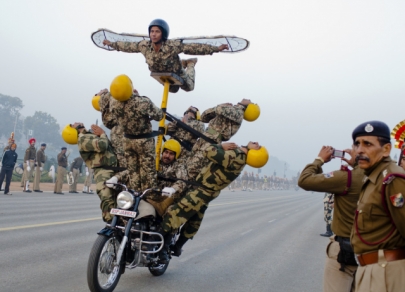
[[185, 138], [98, 153], [162, 55], [226, 162]]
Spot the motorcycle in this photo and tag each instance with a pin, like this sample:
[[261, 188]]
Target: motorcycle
[[130, 241]]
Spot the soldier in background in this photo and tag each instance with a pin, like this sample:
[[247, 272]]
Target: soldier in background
[[29, 158], [89, 180], [62, 165], [245, 179], [7, 165], [186, 139], [10, 142], [75, 172], [41, 158], [328, 201]]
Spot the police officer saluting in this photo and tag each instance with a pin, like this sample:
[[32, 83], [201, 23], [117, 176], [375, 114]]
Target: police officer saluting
[[378, 234], [345, 184]]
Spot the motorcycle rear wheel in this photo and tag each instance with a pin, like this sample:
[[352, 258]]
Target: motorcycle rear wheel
[[102, 274]]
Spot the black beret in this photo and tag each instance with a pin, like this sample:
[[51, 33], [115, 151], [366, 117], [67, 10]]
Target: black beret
[[43, 144], [372, 128], [63, 148]]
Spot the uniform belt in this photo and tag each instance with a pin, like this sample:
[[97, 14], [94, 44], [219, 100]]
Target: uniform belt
[[142, 136], [372, 257]]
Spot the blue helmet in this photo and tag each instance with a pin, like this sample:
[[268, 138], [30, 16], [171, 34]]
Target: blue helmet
[[162, 25]]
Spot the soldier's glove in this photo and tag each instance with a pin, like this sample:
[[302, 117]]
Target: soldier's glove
[[28, 168], [70, 173], [41, 169], [87, 173], [110, 183], [168, 191]]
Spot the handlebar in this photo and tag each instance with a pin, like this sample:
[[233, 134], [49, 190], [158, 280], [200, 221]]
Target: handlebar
[[124, 187]]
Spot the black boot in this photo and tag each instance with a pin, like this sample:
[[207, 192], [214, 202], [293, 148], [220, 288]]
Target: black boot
[[328, 232], [176, 248], [164, 257]]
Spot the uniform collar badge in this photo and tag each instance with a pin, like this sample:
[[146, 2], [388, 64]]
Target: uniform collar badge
[[397, 200], [385, 173], [369, 128]]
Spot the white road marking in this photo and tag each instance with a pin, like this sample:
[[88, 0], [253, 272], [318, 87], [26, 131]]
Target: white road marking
[[272, 220], [246, 232], [192, 256], [48, 224]]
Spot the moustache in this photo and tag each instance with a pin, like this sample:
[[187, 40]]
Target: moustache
[[360, 157]]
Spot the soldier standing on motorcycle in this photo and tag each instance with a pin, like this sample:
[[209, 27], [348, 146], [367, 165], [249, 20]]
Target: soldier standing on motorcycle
[[170, 167], [226, 162], [97, 153]]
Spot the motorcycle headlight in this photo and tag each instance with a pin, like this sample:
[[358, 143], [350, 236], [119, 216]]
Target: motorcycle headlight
[[125, 200]]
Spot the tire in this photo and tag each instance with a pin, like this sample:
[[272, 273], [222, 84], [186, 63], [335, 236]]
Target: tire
[[102, 275], [159, 269]]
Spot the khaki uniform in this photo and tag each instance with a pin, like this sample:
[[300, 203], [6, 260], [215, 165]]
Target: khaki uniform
[[373, 232], [62, 164], [223, 168], [89, 179], [76, 169], [167, 58], [41, 158], [312, 178], [97, 153], [30, 155]]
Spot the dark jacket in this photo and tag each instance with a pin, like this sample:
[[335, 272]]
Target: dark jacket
[[9, 159]]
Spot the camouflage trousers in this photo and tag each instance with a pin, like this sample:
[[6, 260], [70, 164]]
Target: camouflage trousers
[[328, 200], [197, 160], [189, 78], [117, 141], [106, 195], [140, 158], [189, 211]]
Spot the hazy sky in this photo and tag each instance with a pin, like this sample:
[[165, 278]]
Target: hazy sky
[[316, 68]]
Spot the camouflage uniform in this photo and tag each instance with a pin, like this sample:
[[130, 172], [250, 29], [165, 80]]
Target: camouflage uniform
[[328, 200], [97, 152], [167, 58], [174, 170], [224, 167], [107, 104], [134, 117], [224, 122], [185, 137]]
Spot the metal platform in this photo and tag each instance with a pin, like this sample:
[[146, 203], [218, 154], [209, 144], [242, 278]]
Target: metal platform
[[171, 77]]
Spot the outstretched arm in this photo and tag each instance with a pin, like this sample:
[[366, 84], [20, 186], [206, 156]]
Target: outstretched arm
[[202, 49], [128, 47]]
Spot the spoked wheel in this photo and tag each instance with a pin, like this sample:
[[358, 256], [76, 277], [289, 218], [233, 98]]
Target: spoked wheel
[[103, 271]]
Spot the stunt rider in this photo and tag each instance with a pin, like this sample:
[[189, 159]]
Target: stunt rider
[[170, 167], [226, 163], [162, 54]]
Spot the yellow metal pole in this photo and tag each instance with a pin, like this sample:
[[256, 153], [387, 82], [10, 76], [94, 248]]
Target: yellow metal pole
[[162, 123]]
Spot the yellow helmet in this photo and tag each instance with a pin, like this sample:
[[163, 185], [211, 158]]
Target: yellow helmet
[[252, 112], [257, 158], [95, 102], [69, 135], [121, 88], [172, 145]]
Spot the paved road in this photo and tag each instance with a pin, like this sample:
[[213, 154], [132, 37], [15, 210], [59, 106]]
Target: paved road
[[249, 241]]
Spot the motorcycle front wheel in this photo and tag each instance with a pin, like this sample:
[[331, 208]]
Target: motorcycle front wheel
[[103, 272], [158, 269]]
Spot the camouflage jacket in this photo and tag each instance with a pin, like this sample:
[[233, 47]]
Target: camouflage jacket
[[134, 115], [30, 153], [224, 167], [167, 58], [106, 103], [184, 135], [177, 170], [96, 151], [41, 158], [224, 121]]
